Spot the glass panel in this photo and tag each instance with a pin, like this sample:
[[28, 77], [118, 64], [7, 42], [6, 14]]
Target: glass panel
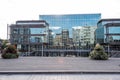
[[37, 39], [15, 31], [72, 20], [38, 30], [114, 30], [113, 38], [21, 31]]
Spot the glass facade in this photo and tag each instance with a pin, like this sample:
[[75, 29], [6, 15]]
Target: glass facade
[[59, 22], [114, 30], [38, 39], [108, 31], [29, 34], [38, 30], [19, 35]]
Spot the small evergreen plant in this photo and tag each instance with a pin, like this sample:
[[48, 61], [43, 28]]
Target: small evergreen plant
[[98, 53], [10, 52]]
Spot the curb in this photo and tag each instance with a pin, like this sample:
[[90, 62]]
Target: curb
[[58, 72]]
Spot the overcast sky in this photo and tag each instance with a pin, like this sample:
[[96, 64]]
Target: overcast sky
[[13, 10]]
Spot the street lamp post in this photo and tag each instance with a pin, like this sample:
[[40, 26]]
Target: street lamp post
[[42, 48]]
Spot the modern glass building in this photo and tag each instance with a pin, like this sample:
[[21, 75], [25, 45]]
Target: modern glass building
[[67, 21], [108, 32], [29, 35]]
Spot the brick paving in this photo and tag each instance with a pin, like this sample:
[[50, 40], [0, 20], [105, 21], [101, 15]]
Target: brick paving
[[59, 64]]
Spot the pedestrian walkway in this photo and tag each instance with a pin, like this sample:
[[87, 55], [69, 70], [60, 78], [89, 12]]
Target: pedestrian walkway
[[61, 77], [59, 64]]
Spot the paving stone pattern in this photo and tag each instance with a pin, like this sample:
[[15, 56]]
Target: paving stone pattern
[[59, 64], [61, 77]]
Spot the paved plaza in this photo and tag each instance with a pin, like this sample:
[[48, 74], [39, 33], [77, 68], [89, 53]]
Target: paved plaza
[[59, 68], [59, 64], [61, 77]]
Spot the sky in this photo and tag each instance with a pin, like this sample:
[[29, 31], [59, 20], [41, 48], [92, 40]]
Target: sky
[[13, 10]]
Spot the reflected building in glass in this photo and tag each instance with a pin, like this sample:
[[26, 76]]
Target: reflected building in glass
[[59, 22], [29, 35], [84, 36], [108, 32]]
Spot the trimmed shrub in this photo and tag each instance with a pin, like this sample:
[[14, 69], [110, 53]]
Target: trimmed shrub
[[10, 52], [9, 56], [98, 53]]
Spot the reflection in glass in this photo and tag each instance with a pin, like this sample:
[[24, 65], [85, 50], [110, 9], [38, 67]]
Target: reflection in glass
[[37, 39], [38, 30], [114, 30]]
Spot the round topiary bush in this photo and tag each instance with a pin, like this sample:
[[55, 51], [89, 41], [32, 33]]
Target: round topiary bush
[[98, 53], [10, 52]]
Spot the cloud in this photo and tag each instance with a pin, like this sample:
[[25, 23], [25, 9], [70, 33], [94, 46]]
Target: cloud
[[77, 27], [53, 33], [54, 27]]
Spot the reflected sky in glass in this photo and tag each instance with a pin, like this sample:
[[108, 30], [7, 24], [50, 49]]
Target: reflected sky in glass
[[59, 22]]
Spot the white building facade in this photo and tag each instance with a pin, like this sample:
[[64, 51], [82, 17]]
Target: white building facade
[[83, 36]]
